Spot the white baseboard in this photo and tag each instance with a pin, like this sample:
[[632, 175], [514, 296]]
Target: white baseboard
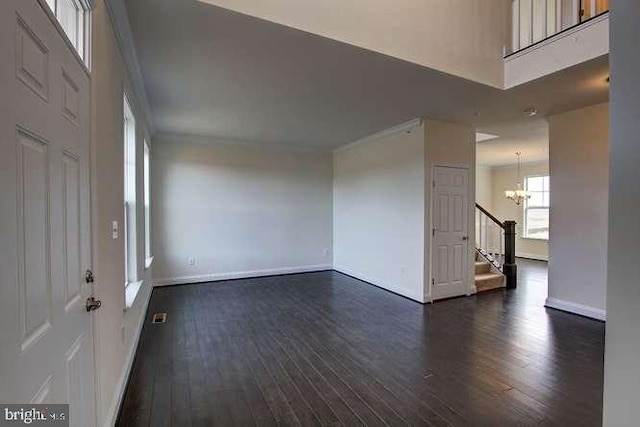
[[216, 277], [377, 282], [538, 257], [112, 414], [571, 307]]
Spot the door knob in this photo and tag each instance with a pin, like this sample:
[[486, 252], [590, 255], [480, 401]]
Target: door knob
[[465, 237], [93, 304]]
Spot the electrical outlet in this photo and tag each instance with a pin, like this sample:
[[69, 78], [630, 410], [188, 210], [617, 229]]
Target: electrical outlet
[[192, 261]]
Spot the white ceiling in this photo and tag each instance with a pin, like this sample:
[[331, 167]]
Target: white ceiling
[[216, 73], [528, 135]]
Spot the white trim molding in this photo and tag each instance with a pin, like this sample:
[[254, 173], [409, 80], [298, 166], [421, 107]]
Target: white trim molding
[[537, 257], [131, 291], [219, 140], [112, 413], [403, 127], [120, 23], [217, 277], [574, 308]]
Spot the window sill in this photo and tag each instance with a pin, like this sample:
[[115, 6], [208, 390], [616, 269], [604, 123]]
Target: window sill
[[131, 292], [148, 262]]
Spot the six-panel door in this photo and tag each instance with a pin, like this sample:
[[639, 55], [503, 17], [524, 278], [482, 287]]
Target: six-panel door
[[46, 354]]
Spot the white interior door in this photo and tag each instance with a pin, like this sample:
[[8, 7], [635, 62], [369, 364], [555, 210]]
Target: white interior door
[[450, 238], [46, 355]]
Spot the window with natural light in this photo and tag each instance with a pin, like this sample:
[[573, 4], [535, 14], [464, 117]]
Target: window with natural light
[[131, 270], [74, 18], [147, 206], [536, 208]]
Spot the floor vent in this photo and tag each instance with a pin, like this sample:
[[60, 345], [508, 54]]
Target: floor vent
[[159, 318]]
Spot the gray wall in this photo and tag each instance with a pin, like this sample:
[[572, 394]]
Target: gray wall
[[622, 354], [579, 167], [378, 212], [117, 326], [238, 210]]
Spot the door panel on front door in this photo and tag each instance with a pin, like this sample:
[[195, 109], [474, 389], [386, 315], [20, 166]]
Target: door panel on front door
[[450, 227], [46, 354]]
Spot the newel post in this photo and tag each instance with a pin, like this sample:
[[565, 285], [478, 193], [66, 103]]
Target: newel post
[[510, 269]]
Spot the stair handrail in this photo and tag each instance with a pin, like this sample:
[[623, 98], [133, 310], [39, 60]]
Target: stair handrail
[[491, 217], [508, 265]]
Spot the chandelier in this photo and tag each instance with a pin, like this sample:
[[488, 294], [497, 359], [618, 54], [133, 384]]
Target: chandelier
[[518, 195]]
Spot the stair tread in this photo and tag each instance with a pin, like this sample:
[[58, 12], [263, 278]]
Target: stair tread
[[487, 276], [483, 263]]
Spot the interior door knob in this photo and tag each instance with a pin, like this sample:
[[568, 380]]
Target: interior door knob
[[93, 304], [465, 237]]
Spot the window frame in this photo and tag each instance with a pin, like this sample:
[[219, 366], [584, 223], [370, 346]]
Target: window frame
[[82, 47], [527, 208], [130, 193], [147, 203]]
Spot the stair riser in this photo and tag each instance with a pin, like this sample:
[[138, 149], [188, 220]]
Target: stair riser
[[483, 268], [488, 284]]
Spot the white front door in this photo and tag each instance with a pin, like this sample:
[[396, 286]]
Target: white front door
[[46, 335], [450, 244]]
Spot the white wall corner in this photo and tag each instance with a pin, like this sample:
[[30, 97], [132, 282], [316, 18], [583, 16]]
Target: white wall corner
[[217, 277], [402, 127], [571, 307], [384, 285]]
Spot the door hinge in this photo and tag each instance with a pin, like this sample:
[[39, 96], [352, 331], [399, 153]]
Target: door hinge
[[433, 281], [433, 231]]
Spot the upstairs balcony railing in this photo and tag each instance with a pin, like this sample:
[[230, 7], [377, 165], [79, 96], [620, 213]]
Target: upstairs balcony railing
[[537, 20]]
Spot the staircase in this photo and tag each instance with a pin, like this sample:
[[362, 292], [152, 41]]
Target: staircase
[[486, 277], [496, 255]]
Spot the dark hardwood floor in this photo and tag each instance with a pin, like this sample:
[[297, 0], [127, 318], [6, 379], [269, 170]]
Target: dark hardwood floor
[[327, 349]]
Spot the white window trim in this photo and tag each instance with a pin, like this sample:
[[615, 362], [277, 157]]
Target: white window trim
[[148, 252], [525, 207], [86, 6], [130, 229], [131, 292]]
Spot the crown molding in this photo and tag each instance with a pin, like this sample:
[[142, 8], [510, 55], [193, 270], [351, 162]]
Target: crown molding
[[219, 140], [120, 21], [403, 127]]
